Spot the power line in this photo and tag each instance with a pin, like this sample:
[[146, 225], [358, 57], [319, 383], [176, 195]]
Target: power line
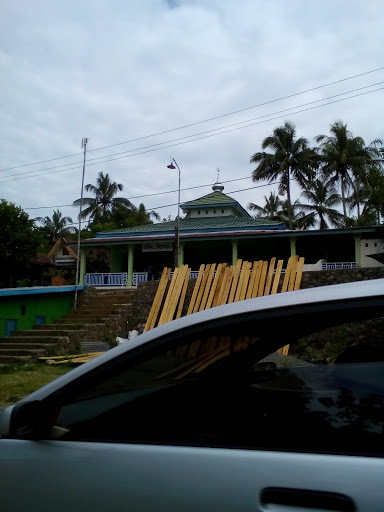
[[175, 204], [106, 157], [203, 121], [193, 140], [144, 195]]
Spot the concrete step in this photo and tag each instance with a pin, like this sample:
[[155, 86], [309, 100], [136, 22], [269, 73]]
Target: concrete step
[[109, 298], [116, 291], [46, 332], [102, 304], [21, 352], [67, 326], [88, 320], [94, 312], [34, 339], [28, 346], [101, 308]]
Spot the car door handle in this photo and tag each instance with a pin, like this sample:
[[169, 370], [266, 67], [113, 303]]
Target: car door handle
[[305, 498]]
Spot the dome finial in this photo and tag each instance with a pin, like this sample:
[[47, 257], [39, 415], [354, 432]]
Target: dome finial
[[218, 187]]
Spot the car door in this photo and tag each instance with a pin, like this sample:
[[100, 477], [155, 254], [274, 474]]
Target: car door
[[202, 420]]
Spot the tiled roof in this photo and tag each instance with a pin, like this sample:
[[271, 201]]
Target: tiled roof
[[215, 198], [210, 200], [194, 224]]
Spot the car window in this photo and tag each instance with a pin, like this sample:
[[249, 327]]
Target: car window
[[225, 390]]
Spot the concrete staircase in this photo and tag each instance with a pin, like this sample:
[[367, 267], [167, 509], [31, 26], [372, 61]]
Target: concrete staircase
[[101, 316]]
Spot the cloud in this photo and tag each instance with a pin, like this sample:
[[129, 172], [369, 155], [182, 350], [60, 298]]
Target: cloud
[[114, 71]]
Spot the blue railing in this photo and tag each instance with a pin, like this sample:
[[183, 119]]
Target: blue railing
[[338, 265], [139, 277], [114, 279], [106, 279]]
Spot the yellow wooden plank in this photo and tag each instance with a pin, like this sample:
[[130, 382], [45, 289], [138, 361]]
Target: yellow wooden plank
[[154, 312], [69, 356], [164, 313], [207, 361], [175, 294], [257, 278], [270, 275], [242, 288], [284, 287], [246, 281], [276, 280], [235, 280], [292, 275], [263, 277], [201, 289], [299, 274], [240, 281], [196, 289], [252, 280], [207, 288], [285, 350], [183, 293], [179, 285], [225, 287], [80, 360], [220, 284], [215, 283]]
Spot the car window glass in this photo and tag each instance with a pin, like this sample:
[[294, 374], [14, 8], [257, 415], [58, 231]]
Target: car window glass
[[327, 395]]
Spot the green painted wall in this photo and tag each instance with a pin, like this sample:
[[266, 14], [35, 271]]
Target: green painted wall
[[25, 309]]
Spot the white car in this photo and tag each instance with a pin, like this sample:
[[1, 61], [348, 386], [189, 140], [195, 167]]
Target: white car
[[186, 418]]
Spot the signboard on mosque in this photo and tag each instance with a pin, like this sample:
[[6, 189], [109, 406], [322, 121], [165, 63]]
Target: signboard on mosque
[[157, 247]]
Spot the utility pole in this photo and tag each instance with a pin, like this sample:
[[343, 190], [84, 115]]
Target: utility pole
[[84, 143]]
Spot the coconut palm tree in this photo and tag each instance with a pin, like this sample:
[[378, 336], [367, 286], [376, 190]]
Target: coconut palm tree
[[300, 220], [104, 202], [270, 210], [290, 158], [322, 198], [370, 193], [56, 227], [345, 159]]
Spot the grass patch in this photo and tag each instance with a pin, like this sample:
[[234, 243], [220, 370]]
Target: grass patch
[[19, 379]]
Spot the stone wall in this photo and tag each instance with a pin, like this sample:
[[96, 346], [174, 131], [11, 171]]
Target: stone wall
[[327, 277]]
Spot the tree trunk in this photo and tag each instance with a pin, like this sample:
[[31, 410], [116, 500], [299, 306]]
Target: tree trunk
[[357, 199], [343, 196], [290, 216]]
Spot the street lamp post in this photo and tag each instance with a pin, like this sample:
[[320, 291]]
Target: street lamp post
[[172, 166]]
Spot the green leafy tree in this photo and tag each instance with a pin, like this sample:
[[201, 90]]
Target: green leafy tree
[[346, 160], [56, 227], [290, 159], [121, 218], [370, 193], [271, 208], [300, 220], [101, 207], [19, 242], [322, 199]]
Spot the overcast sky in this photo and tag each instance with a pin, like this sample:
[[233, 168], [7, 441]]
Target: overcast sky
[[114, 71]]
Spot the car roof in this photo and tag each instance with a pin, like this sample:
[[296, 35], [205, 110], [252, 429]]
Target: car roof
[[361, 289]]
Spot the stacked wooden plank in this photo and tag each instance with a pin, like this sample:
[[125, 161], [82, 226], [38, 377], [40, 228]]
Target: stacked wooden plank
[[216, 286]]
